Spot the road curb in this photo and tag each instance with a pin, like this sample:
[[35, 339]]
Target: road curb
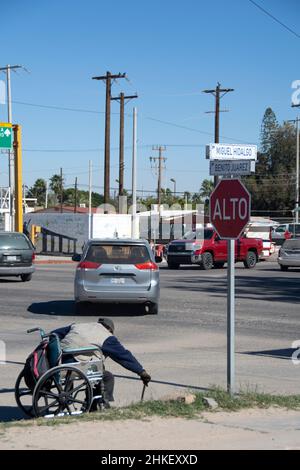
[[54, 261]]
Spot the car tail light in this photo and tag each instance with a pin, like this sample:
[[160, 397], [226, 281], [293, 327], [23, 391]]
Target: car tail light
[[88, 265], [33, 256], [148, 265]]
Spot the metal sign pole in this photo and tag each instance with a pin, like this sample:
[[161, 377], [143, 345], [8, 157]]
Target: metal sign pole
[[230, 318]]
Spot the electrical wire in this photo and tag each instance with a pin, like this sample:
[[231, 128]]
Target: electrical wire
[[275, 19]]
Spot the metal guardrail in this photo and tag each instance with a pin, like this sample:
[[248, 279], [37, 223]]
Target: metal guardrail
[[64, 243]]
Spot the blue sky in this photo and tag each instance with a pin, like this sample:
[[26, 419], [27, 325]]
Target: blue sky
[[171, 51]]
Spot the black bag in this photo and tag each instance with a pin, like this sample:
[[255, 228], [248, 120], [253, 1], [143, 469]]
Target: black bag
[[36, 364]]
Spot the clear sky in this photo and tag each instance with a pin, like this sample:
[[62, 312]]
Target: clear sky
[[171, 50]]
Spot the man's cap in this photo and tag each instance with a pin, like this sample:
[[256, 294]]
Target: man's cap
[[108, 323]]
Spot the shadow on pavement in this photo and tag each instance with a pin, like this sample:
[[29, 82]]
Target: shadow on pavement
[[274, 353], [281, 288], [11, 413], [67, 308]]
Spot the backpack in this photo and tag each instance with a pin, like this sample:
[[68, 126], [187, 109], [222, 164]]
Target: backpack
[[36, 364]]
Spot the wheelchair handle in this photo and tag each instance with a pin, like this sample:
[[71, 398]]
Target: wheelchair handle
[[37, 329]]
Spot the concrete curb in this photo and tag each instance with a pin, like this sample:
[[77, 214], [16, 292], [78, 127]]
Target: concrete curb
[[54, 261]]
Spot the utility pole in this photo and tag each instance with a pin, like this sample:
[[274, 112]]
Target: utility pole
[[296, 121], [121, 98], [75, 196], [158, 162], [90, 199], [46, 195], [134, 230], [61, 191], [218, 93], [107, 78], [11, 185]]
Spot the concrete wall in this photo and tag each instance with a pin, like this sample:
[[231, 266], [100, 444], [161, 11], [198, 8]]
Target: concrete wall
[[72, 225], [76, 225]]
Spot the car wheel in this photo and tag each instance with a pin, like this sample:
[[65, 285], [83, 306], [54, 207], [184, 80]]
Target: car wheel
[[284, 268], [207, 261], [251, 260], [152, 309], [173, 266], [26, 277], [219, 265]]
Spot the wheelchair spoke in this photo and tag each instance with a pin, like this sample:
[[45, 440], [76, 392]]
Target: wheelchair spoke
[[57, 384], [67, 379], [45, 408], [77, 401], [47, 393], [79, 387]]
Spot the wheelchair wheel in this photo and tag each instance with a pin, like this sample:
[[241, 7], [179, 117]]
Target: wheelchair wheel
[[63, 390], [23, 396]]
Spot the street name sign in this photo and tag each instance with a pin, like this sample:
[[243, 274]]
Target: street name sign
[[5, 135], [231, 167], [231, 152], [230, 208]]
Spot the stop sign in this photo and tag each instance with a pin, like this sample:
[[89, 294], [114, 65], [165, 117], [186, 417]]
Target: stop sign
[[230, 208]]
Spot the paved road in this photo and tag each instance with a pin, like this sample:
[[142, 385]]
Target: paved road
[[185, 345]]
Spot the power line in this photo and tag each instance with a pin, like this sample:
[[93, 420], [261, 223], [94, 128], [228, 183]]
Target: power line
[[161, 121], [275, 19]]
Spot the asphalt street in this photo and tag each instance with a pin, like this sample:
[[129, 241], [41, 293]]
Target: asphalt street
[[184, 346]]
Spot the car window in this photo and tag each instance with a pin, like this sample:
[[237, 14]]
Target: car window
[[117, 254], [281, 229], [201, 234], [14, 241], [292, 244], [294, 228]]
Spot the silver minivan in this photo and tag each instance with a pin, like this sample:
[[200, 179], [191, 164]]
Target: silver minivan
[[289, 254], [17, 255], [117, 271]]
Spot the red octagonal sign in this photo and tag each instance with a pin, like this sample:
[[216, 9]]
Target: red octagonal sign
[[230, 208]]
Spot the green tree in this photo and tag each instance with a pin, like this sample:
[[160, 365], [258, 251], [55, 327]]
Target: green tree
[[56, 182], [38, 190], [206, 189], [268, 128]]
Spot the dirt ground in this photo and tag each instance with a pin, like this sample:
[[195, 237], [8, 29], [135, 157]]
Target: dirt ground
[[247, 429]]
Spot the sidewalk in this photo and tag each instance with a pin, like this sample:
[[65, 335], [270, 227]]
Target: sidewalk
[[273, 428]]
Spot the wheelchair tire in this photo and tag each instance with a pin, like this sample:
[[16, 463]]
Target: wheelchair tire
[[23, 396], [62, 390]]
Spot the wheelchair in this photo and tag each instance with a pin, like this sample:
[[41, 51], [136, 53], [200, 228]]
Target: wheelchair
[[69, 387]]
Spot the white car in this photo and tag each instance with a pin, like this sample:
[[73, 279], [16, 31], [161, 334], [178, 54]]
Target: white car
[[289, 254]]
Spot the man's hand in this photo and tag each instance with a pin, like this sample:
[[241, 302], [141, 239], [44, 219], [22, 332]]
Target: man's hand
[[145, 377]]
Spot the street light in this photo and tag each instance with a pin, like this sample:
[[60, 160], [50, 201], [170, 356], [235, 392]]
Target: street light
[[174, 181]]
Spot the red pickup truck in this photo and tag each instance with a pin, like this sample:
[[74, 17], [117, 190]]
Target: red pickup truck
[[205, 248]]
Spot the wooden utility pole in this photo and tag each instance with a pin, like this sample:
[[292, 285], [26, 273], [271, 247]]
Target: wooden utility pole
[[121, 98], [61, 191], [75, 196], [158, 161], [217, 93], [107, 78]]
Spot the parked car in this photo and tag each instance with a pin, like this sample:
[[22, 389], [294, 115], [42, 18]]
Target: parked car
[[289, 254], [117, 271], [16, 255], [285, 231], [206, 249]]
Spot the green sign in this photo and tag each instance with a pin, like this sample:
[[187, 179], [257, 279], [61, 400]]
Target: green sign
[[5, 135]]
